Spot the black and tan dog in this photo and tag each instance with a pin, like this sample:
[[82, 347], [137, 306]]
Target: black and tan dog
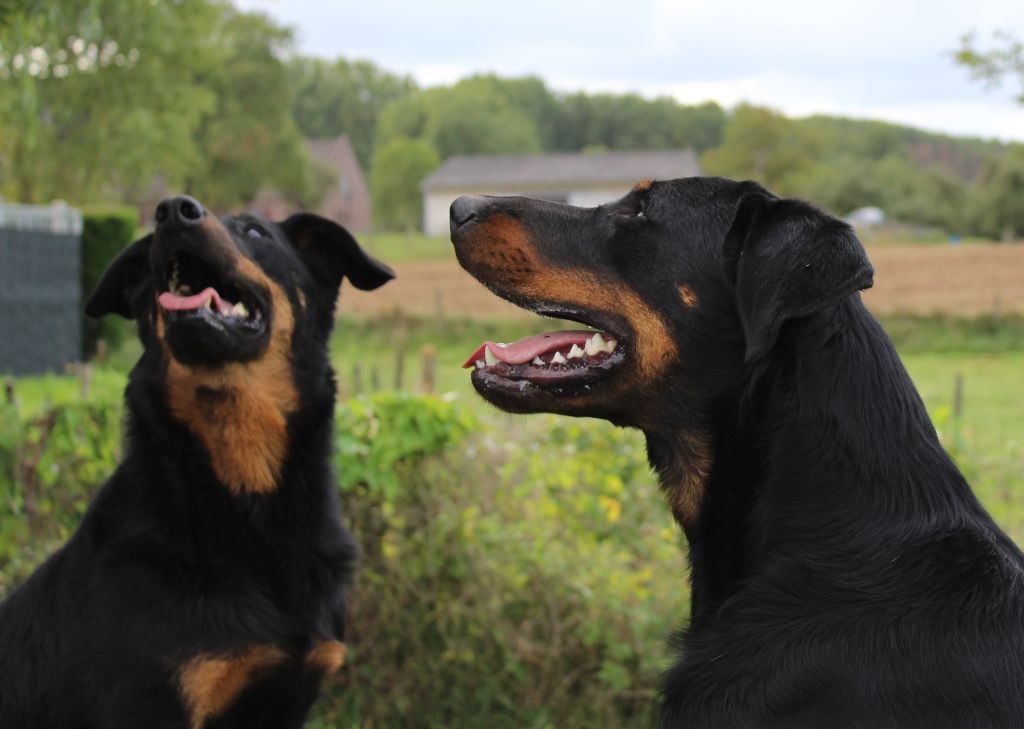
[[205, 585], [843, 573]]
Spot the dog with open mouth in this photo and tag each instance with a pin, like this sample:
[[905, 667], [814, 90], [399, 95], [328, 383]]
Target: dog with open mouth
[[205, 586], [843, 573]]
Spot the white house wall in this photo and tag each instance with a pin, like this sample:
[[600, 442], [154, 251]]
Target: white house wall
[[436, 203]]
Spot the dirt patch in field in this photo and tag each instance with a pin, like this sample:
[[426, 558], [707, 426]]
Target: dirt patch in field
[[921, 279]]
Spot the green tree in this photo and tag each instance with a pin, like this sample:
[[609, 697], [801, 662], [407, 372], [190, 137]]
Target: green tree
[[249, 139], [763, 145], [100, 97], [996, 201], [399, 167], [97, 97], [475, 116], [1005, 58], [334, 97], [632, 122]]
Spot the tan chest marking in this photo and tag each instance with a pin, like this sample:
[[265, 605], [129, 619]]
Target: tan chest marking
[[210, 684], [239, 411], [685, 488]]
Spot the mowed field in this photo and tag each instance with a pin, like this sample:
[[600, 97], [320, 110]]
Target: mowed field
[[963, 280]]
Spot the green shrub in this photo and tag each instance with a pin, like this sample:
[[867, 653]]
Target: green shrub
[[51, 467], [514, 571], [105, 233]]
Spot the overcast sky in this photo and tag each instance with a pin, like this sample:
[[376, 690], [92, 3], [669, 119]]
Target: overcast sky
[[866, 58]]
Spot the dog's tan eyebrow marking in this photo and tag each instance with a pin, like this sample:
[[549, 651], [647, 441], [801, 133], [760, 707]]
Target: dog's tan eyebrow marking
[[327, 656], [689, 296], [210, 683], [643, 186]]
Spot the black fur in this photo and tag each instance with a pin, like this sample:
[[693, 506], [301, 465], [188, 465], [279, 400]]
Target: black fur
[[168, 564], [843, 573]]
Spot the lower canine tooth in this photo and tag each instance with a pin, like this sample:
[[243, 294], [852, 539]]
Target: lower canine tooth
[[208, 303], [479, 364], [558, 358], [489, 357]]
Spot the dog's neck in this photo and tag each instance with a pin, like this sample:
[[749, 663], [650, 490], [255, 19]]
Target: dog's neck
[[827, 449], [242, 436]]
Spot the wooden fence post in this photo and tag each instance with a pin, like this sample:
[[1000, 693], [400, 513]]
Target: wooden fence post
[[357, 379], [399, 366], [429, 359]]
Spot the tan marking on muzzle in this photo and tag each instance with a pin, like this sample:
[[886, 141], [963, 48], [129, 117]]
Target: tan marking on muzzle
[[506, 257], [239, 410], [643, 185], [689, 296], [211, 683]]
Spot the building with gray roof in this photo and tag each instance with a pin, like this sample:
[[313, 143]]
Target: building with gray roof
[[574, 178]]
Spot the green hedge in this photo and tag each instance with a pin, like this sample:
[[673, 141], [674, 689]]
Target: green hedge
[[105, 233]]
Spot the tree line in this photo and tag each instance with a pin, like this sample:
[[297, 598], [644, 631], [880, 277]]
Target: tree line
[[98, 98]]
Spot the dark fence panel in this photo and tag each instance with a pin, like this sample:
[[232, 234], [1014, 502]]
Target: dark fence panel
[[40, 289]]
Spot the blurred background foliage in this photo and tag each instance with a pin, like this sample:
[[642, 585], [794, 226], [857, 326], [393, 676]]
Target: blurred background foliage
[[99, 98]]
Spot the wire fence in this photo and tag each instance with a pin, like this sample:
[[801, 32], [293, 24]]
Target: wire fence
[[40, 288]]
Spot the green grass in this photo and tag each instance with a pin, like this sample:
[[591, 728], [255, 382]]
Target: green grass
[[408, 246], [987, 439]]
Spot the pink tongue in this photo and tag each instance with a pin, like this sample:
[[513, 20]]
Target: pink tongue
[[525, 350], [171, 302]]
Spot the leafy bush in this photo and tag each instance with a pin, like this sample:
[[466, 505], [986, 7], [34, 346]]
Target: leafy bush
[[516, 577], [51, 467], [105, 233]]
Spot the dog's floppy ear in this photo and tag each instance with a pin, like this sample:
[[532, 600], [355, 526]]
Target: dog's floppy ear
[[330, 253], [791, 260], [118, 285]]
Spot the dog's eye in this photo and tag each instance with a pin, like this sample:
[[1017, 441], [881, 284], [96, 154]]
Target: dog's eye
[[254, 231], [630, 213]]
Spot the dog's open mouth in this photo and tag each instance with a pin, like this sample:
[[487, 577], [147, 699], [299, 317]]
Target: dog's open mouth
[[213, 316], [195, 291], [564, 361]]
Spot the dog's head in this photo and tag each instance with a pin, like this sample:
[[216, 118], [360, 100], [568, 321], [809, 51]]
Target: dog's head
[[688, 282], [235, 309], [215, 291]]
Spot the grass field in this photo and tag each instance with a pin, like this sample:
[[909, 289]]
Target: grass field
[[989, 358]]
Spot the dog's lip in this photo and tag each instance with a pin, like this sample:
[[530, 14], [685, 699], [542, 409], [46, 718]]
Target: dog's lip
[[567, 359]]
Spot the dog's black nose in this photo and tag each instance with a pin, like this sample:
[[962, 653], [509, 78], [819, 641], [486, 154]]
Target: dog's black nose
[[465, 209], [179, 211]]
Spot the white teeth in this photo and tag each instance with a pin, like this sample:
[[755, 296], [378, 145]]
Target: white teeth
[[489, 357], [558, 358], [538, 361], [575, 352], [208, 303], [184, 290], [610, 346], [480, 364], [239, 310]]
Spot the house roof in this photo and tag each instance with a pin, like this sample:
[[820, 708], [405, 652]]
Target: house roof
[[547, 170]]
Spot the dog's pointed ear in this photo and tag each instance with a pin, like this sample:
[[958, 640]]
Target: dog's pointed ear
[[790, 260], [115, 293], [331, 253]]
